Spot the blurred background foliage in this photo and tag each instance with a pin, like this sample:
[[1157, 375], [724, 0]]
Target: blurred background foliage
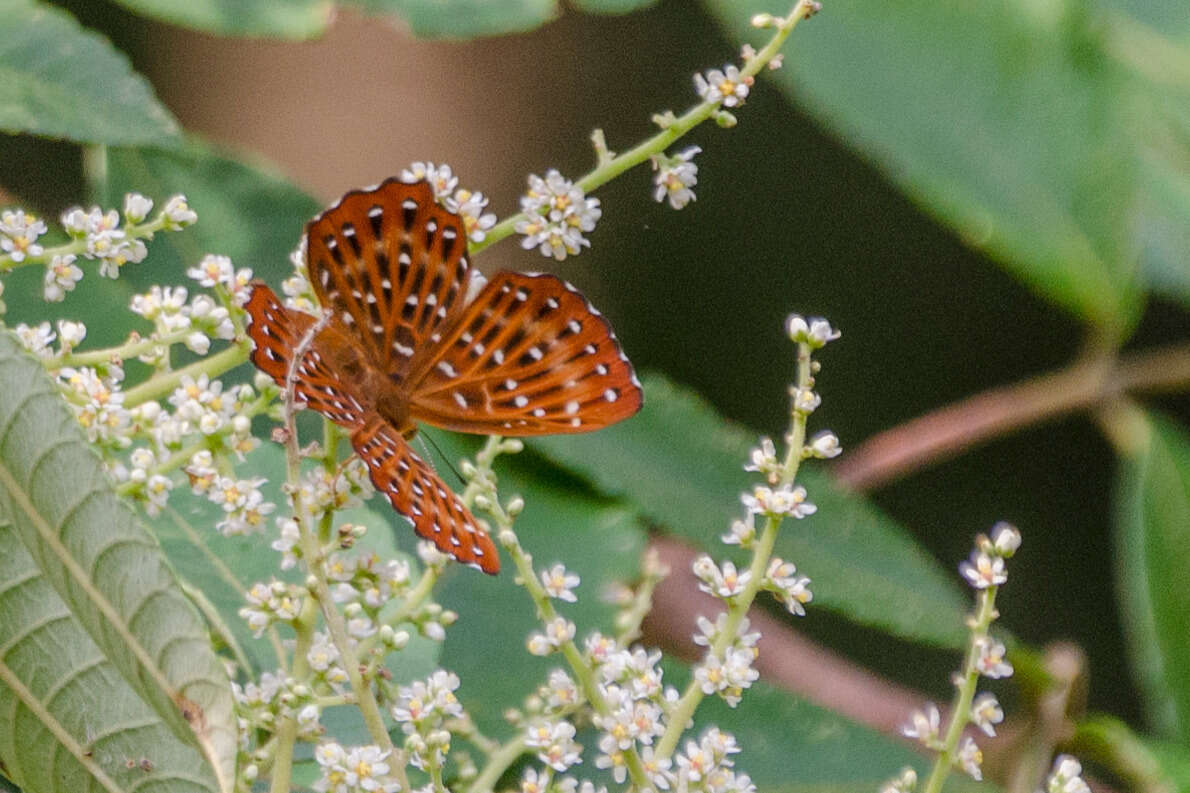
[[976, 193]]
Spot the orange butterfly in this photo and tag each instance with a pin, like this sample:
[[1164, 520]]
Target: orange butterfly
[[404, 343]]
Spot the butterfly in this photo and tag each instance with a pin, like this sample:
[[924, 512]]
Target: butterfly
[[412, 333]]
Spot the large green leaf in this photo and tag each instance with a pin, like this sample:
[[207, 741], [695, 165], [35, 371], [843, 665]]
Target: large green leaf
[[1154, 540], [1022, 126], [108, 571], [284, 19], [247, 212], [681, 466], [60, 80], [70, 719], [464, 18]]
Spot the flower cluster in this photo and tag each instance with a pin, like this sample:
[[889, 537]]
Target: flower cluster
[[196, 322], [730, 672], [675, 176], [985, 572], [422, 710], [276, 696], [359, 769], [724, 85], [558, 214], [218, 272], [467, 204]]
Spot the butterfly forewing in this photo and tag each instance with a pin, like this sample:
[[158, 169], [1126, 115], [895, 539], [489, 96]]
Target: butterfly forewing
[[417, 492], [390, 264], [529, 356], [277, 332]]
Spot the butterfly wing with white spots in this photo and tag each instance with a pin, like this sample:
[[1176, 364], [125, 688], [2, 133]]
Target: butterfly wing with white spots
[[390, 264], [528, 356]]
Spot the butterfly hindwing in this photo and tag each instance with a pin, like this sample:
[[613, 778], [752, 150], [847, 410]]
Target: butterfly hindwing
[[390, 264], [277, 332], [528, 356], [416, 491]]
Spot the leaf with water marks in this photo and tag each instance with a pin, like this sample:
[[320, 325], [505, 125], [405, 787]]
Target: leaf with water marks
[[79, 563]]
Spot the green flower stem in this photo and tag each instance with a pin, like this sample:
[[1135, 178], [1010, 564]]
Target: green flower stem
[[629, 620], [213, 366], [435, 769], [583, 672], [130, 349], [78, 247], [960, 708], [610, 166], [484, 482], [317, 582], [282, 766], [738, 606]]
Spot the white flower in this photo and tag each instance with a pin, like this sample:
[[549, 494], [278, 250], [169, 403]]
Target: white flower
[[213, 270], [723, 85], [36, 339], [791, 589], [986, 713], [70, 334], [785, 500], [1066, 776], [983, 571], [558, 583], [440, 177], [763, 459], [558, 215], [925, 725], [824, 445], [990, 660], [1006, 539], [61, 275], [136, 207], [19, 233], [178, 214], [469, 206], [675, 177], [743, 532], [815, 331], [969, 757], [555, 744], [723, 583]]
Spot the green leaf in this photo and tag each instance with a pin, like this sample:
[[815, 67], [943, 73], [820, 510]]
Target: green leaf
[[108, 571], [680, 465], [283, 19], [63, 699], [612, 6], [247, 212], [1022, 130], [1154, 540], [59, 80], [464, 18], [562, 522]]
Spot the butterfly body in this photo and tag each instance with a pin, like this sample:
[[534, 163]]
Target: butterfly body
[[409, 336]]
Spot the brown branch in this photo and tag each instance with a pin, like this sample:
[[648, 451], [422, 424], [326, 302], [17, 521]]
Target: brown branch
[[955, 428]]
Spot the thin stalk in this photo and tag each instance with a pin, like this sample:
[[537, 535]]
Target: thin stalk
[[610, 166], [960, 708]]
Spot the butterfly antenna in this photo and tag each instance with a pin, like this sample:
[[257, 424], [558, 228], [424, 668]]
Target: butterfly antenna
[[422, 439]]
